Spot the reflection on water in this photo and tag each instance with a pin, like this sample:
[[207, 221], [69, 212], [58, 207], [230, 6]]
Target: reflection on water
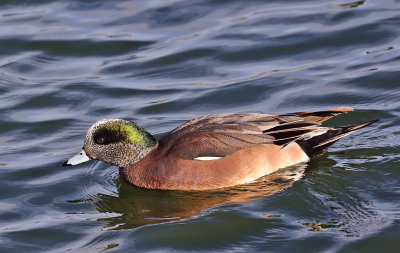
[[139, 206], [344, 211]]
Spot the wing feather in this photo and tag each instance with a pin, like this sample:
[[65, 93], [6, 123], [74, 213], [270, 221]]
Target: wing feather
[[221, 134]]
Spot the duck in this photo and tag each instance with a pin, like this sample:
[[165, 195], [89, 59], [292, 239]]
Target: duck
[[212, 151]]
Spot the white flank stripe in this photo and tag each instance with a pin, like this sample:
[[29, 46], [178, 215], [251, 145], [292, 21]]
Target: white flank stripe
[[206, 158]]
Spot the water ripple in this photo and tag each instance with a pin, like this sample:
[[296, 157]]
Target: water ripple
[[65, 65]]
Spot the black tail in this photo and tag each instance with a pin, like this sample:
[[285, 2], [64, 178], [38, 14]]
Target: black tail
[[317, 145]]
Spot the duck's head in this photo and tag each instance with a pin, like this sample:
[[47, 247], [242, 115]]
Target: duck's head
[[115, 141]]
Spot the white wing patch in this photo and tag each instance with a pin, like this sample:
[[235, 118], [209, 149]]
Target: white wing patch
[[207, 158]]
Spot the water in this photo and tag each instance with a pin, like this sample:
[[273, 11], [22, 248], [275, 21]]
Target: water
[[66, 64]]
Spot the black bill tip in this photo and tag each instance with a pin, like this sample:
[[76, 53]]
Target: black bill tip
[[66, 164]]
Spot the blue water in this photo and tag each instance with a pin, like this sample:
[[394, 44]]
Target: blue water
[[66, 64]]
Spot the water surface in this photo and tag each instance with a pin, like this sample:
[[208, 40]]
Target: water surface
[[66, 64]]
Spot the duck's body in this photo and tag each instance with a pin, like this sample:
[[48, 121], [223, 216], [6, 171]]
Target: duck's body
[[156, 171], [212, 151]]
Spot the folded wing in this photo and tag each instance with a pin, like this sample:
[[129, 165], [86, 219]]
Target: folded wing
[[219, 135]]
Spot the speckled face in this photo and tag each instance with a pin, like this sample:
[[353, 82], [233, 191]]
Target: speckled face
[[117, 142]]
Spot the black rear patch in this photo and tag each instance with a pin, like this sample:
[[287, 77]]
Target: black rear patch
[[317, 145]]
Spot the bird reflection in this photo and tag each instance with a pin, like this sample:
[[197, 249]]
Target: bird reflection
[[138, 207]]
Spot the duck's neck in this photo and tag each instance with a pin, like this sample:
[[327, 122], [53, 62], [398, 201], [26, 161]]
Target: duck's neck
[[144, 172], [143, 144], [140, 153]]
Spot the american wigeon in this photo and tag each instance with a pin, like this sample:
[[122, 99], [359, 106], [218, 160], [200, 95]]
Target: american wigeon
[[212, 151]]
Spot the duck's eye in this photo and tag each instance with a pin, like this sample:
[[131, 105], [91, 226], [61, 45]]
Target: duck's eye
[[100, 140]]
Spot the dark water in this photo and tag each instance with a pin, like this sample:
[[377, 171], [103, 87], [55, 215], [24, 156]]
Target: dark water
[[66, 64]]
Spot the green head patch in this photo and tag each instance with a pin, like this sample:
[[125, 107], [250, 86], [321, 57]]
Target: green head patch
[[123, 131]]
